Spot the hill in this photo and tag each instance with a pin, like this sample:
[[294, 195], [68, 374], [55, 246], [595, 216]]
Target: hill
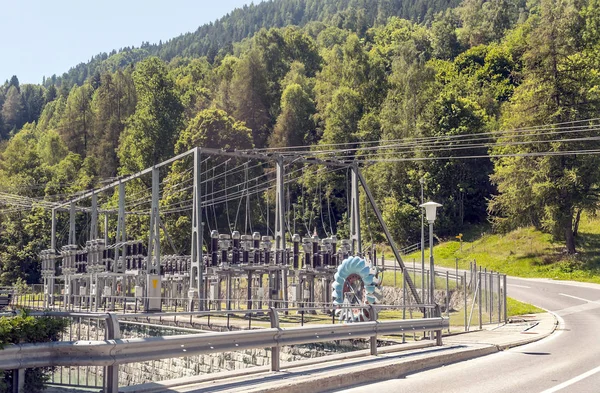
[[216, 39], [524, 252]]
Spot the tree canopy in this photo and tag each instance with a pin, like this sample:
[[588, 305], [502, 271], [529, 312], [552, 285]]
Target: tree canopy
[[402, 85]]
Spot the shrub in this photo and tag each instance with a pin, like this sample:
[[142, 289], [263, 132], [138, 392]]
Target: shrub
[[24, 328]]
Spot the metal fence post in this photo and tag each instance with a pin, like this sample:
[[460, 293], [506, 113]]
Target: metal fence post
[[275, 360], [448, 297], [479, 300], [485, 289], [456, 268], [504, 298], [499, 299], [491, 291], [111, 373], [465, 289], [373, 340]]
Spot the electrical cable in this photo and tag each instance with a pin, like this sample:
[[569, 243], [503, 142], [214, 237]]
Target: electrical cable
[[227, 202], [521, 129]]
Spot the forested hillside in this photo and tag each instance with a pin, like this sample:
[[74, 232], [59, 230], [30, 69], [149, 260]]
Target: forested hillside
[[215, 40], [492, 103]]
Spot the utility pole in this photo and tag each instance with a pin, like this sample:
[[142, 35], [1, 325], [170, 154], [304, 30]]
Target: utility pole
[[355, 212], [422, 182]]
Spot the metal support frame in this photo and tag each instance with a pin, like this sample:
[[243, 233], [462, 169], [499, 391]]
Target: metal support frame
[[355, 212], [153, 266], [121, 234], [280, 277], [72, 223], [106, 228], [153, 278], [197, 231], [198, 281], [388, 235], [94, 223], [53, 234], [280, 207]]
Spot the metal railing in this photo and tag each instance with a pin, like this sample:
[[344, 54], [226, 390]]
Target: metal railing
[[114, 351]]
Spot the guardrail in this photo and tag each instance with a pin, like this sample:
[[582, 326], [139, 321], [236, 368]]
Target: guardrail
[[113, 351]]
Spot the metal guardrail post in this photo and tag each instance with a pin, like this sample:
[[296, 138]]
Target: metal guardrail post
[[438, 333], [275, 360], [18, 382], [373, 339], [111, 373]]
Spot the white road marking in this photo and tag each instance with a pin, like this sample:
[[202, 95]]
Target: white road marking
[[573, 380], [578, 298], [519, 286]]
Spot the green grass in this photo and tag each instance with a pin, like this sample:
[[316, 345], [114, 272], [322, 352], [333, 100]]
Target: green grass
[[525, 252], [516, 307], [390, 280]]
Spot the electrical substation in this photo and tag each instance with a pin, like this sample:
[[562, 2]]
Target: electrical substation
[[280, 267]]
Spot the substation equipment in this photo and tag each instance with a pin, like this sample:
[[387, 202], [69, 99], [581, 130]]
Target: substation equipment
[[101, 274]]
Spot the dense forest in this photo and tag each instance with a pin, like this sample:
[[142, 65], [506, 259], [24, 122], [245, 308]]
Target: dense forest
[[492, 103]]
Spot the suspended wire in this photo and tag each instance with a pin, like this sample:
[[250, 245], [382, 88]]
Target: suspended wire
[[241, 199], [267, 209], [213, 205], [227, 202], [426, 149], [320, 193], [248, 217], [304, 207], [540, 154], [329, 214], [515, 130], [205, 199], [288, 210]]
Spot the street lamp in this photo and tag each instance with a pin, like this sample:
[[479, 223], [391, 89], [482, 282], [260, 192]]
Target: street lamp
[[430, 213], [422, 182]]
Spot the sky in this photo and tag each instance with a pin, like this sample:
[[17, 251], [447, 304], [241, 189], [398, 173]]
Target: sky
[[44, 37]]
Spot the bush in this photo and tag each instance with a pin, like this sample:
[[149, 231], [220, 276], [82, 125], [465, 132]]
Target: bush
[[27, 329]]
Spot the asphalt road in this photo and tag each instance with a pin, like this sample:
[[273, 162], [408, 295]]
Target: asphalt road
[[566, 361]]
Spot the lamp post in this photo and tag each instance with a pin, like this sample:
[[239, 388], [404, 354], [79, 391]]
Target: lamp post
[[430, 212], [422, 182]]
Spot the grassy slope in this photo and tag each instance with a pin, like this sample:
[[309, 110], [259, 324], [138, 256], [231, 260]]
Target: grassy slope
[[525, 252]]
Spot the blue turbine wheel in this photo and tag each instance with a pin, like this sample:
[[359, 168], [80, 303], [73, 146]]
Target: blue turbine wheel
[[354, 285]]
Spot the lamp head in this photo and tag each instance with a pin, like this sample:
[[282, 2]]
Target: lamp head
[[430, 210]]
